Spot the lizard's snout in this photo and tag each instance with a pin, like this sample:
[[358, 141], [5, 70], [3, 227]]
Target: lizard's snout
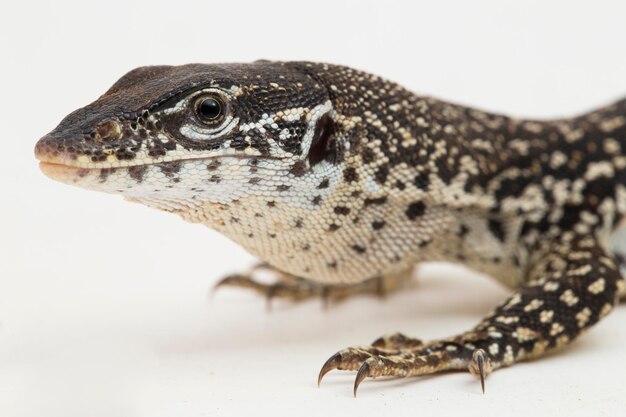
[[97, 146], [52, 149], [55, 161], [46, 150]]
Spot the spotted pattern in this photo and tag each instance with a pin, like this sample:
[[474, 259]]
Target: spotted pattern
[[337, 176]]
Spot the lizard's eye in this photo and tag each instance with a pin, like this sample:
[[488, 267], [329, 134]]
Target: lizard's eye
[[209, 110]]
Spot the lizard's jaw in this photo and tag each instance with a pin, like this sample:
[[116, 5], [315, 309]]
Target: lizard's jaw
[[116, 181], [189, 181], [143, 175], [60, 166], [62, 173]]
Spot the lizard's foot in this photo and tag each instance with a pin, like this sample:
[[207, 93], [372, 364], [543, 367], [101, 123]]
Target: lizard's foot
[[296, 289], [402, 356], [571, 285]]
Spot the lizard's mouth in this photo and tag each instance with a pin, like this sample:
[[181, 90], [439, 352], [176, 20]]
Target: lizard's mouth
[[70, 174], [58, 171], [144, 172], [121, 178], [61, 166]]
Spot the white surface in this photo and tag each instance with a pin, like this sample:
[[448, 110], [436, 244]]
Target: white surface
[[103, 308]]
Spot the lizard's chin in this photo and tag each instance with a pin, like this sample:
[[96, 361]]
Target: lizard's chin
[[88, 178], [107, 180]]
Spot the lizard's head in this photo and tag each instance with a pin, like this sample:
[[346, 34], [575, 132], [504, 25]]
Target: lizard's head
[[249, 149], [211, 133]]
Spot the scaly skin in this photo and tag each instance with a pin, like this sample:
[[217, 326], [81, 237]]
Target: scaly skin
[[336, 178]]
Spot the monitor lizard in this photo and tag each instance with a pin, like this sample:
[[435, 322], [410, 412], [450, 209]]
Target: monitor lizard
[[341, 182]]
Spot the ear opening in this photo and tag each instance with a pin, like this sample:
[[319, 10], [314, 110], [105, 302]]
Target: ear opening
[[321, 146]]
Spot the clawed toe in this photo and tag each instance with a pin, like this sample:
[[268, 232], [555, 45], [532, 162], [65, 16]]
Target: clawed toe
[[237, 280], [362, 373], [286, 287], [388, 357], [295, 288], [480, 366], [331, 364]]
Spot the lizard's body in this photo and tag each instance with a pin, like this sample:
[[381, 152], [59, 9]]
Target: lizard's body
[[339, 177]]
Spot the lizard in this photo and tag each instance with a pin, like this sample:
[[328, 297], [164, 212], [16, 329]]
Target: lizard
[[341, 182]]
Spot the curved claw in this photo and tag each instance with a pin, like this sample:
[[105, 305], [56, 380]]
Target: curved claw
[[363, 373], [479, 358], [219, 284], [332, 363], [227, 280]]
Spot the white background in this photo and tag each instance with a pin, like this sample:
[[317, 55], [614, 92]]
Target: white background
[[103, 304]]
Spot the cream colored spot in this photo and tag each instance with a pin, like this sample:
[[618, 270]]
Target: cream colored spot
[[587, 242], [494, 349], [546, 316], [507, 320], [524, 334], [597, 286], [569, 298], [558, 158], [551, 286], [577, 256], [562, 340], [540, 347], [508, 355], [581, 229], [515, 299], [606, 309], [619, 162], [610, 125], [611, 146], [556, 329], [599, 169], [533, 305], [607, 261], [583, 316], [583, 270]]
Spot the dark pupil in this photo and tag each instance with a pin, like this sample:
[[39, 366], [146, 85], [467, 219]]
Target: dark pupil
[[210, 109]]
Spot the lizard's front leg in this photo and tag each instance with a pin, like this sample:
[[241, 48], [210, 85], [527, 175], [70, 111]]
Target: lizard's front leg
[[571, 284], [294, 288]]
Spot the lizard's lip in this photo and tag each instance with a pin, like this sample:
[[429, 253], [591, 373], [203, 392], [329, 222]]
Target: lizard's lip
[[47, 166], [62, 172], [53, 165]]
